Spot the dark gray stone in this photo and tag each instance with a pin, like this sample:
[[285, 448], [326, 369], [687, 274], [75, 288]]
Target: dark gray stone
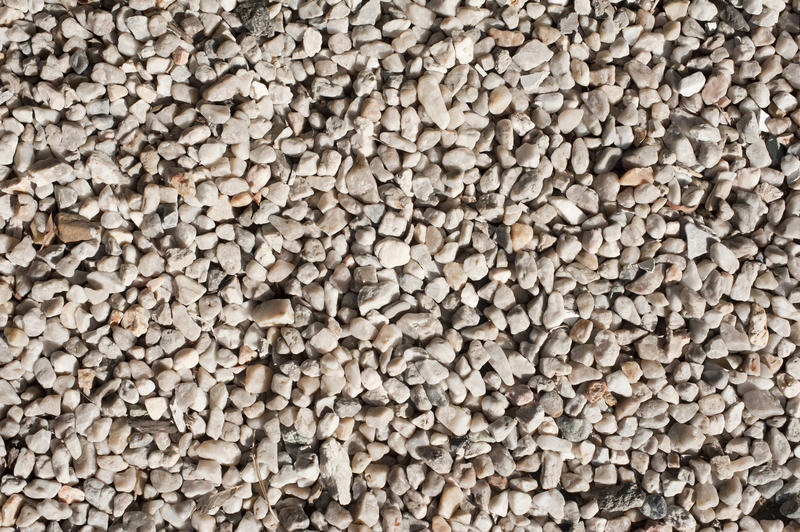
[[654, 507], [680, 519], [733, 17], [255, 17], [621, 498], [574, 429], [436, 458]]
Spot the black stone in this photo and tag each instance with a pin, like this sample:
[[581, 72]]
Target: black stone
[[733, 17], [169, 215], [458, 442], [715, 376], [791, 507], [293, 517], [621, 498], [255, 17], [789, 490], [377, 397], [775, 149]]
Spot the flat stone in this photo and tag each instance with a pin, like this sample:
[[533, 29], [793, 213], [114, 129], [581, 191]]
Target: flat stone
[[533, 54], [430, 96], [221, 452], [698, 241], [360, 181], [393, 252], [621, 498], [761, 404], [335, 471], [258, 378], [274, 312]]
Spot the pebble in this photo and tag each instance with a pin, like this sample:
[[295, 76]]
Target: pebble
[[392, 252], [620, 498], [75, 228], [274, 312], [335, 471], [761, 404], [430, 97], [531, 55], [223, 452]]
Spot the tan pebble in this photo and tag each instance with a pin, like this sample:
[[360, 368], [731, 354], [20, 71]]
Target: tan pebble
[[115, 317], [569, 119], [506, 38], [371, 110], [10, 509], [242, 199], [609, 398], [70, 495], [499, 100], [501, 275], [135, 320], [581, 331], [757, 330], [595, 391], [15, 337], [521, 235], [258, 378], [450, 499], [455, 275], [180, 56], [498, 481], [631, 370], [75, 228], [85, 380], [183, 183], [676, 10], [438, 524], [547, 34], [520, 394], [716, 87], [636, 176], [274, 312]]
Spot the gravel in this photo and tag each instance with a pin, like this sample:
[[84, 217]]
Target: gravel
[[451, 266]]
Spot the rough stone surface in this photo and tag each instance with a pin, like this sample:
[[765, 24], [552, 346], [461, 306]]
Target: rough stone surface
[[452, 266]]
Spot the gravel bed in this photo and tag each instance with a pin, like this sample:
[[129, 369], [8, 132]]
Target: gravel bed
[[443, 265]]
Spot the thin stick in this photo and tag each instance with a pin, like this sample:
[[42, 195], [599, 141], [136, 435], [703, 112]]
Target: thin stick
[[253, 456]]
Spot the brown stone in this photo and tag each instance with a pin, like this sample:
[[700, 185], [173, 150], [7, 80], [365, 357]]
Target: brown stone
[[75, 228], [595, 391], [85, 380]]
